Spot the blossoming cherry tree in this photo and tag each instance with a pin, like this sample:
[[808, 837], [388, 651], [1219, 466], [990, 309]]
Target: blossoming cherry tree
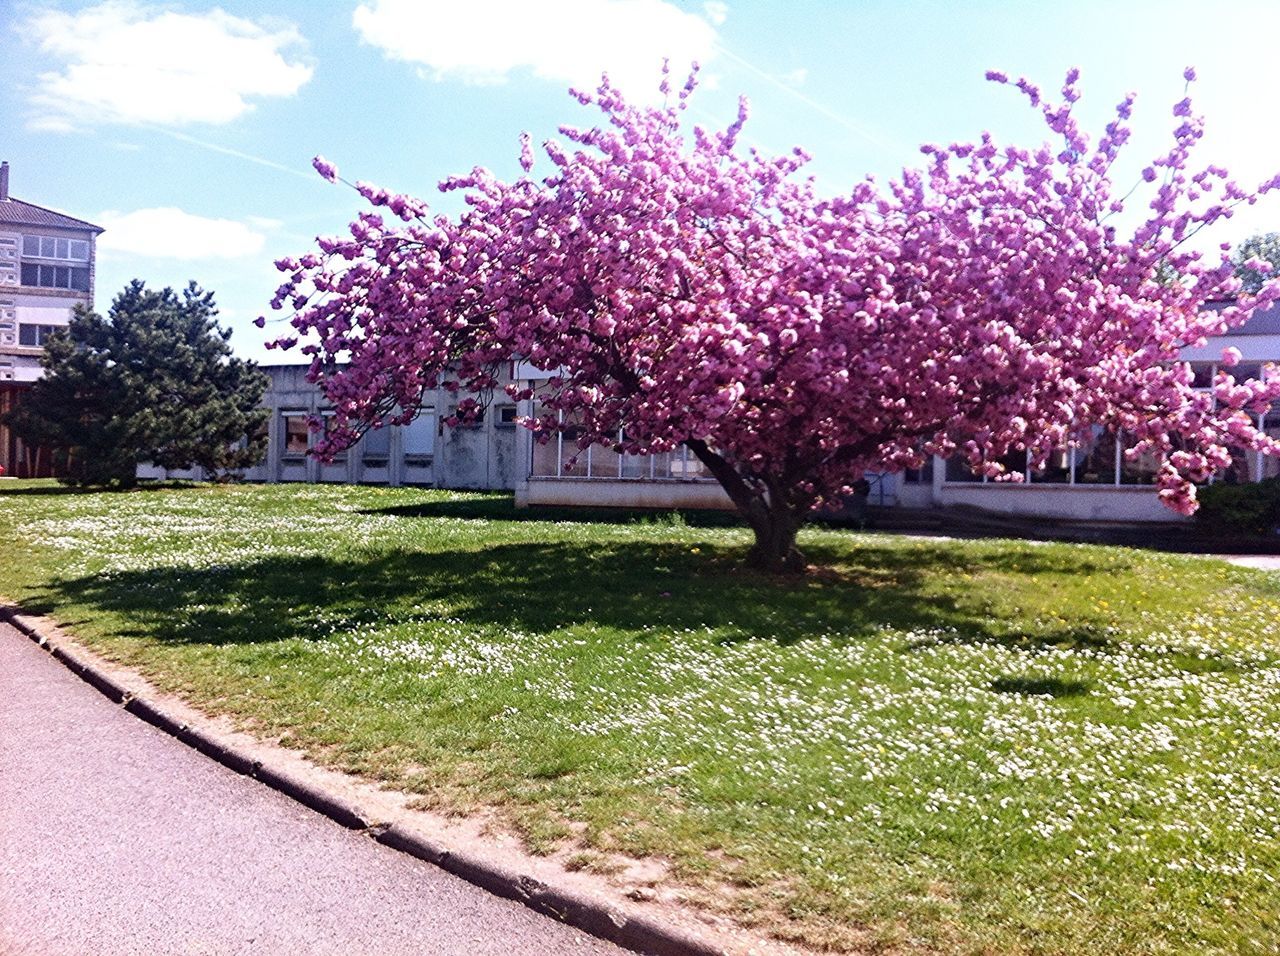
[[681, 290]]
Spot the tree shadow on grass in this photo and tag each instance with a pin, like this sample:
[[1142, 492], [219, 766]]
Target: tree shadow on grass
[[644, 589], [51, 490], [1041, 686], [503, 508]]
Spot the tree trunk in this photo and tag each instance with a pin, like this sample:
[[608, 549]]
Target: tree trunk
[[775, 548], [774, 520]]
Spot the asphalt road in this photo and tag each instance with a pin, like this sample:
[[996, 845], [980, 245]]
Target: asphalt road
[[115, 838]]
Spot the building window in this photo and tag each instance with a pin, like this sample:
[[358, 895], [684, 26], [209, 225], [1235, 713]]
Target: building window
[[1202, 374], [1097, 457], [957, 470], [75, 278], [34, 336], [1143, 469], [420, 438], [1056, 469], [328, 419], [1270, 466], [506, 415], [377, 447], [919, 476], [53, 247], [296, 434]]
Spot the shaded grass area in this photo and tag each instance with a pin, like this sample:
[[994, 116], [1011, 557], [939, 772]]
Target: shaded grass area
[[965, 746]]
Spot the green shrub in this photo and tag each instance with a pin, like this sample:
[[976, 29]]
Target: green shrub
[[1252, 508]]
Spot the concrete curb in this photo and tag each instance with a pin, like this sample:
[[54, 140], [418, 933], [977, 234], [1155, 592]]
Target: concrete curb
[[636, 933]]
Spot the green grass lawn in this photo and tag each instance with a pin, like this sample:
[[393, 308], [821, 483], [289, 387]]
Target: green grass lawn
[[957, 746]]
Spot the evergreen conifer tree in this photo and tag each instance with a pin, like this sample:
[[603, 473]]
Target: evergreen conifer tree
[[153, 381]]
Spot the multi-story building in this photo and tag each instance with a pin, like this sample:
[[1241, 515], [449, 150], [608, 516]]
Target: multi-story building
[[46, 270]]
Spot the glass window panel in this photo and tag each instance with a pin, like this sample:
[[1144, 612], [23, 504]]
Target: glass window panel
[[329, 425], [29, 335], [506, 415], [30, 274], [377, 443], [675, 463], [79, 250], [635, 466], [63, 249], [1096, 458], [420, 435], [920, 476], [545, 459], [31, 245], [1056, 469], [1271, 425], [694, 469], [957, 469], [1242, 470], [1202, 374], [1015, 462], [62, 277], [1141, 470], [604, 462], [684, 465], [48, 247], [574, 464], [1246, 370], [569, 450], [80, 280], [296, 433]]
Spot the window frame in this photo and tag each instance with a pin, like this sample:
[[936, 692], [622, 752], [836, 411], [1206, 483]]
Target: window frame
[[42, 333], [53, 254], [76, 278], [287, 415]]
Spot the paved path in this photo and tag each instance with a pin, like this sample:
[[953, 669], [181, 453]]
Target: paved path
[[115, 838], [1267, 562]]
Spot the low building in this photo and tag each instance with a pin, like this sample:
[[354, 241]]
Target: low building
[[46, 270], [1090, 483], [424, 452]]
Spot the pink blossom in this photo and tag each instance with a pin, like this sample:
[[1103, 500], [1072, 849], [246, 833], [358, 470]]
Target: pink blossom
[[687, 291], [325, 168]]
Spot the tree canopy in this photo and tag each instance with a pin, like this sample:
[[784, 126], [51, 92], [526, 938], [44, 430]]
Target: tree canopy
[[153, 381], [1257, 260], [680, 289]]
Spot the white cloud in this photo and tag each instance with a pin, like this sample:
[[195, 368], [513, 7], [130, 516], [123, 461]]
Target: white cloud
[[167, 232], [566, 41], [120, 62], [717, 11]]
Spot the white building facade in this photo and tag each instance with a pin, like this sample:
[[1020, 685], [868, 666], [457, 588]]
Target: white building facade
[[423, 452], [46, 270], [1093, 482], [1090, 483]]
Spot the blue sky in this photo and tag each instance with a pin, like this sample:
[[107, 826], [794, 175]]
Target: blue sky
[[187, 128]]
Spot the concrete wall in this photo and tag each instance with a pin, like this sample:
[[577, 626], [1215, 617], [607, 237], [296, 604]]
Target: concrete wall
[[1073, 502], [621, 493], [1079, 502]]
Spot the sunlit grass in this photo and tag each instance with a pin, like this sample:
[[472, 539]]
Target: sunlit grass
[[978, 746]]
